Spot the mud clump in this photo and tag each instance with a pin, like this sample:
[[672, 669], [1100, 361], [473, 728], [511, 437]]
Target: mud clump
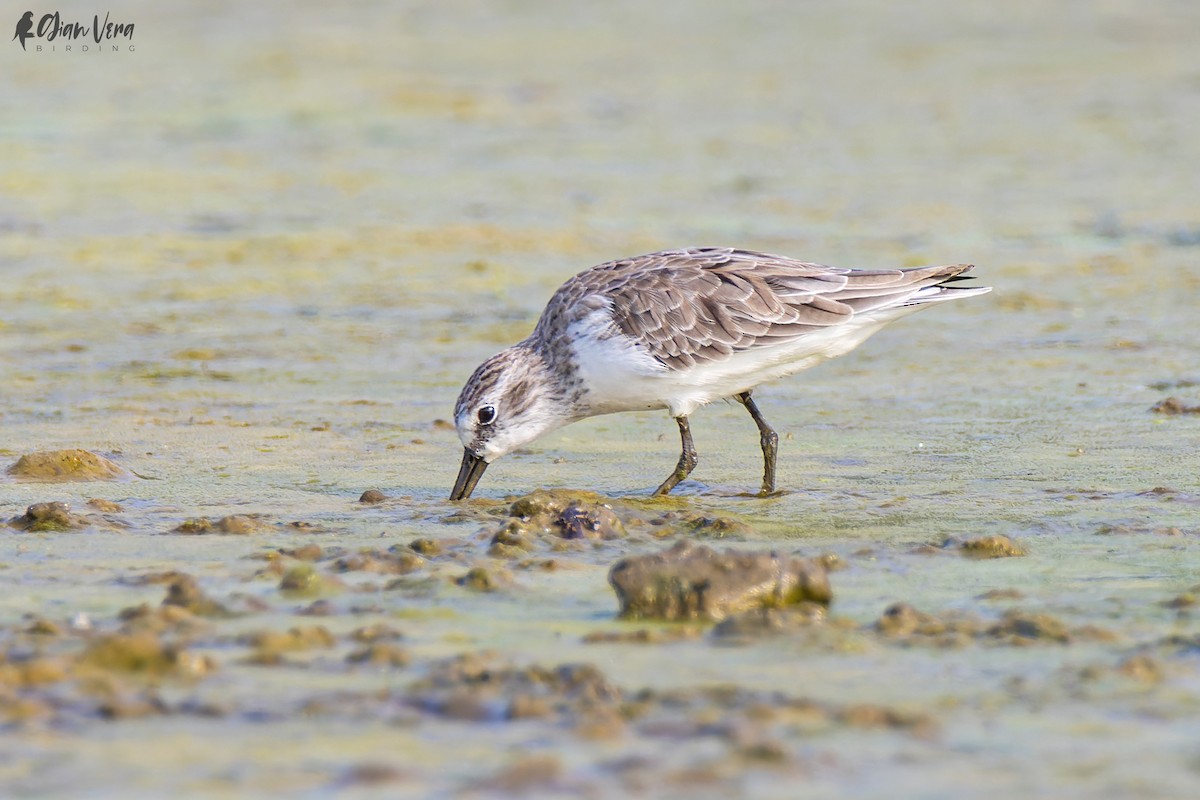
[[269, 646], [485, 687], [1019, 628], [233, 525], [483, 579], [184, 592], [767, 621], [564, 514], [526, 774], [1016, 628], [430, 548], [1173, 406], [380, 562], [1142, 668], [143, 654], [694, 582], [382, 655], [998, 546], [303, 580], [714, 527], [901, 622], [48, 517], [64, 466]]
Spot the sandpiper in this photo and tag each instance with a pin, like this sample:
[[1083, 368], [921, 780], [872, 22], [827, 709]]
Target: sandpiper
[[676, 330]]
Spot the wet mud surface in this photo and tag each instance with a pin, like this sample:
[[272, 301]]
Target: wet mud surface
[[234, 319]]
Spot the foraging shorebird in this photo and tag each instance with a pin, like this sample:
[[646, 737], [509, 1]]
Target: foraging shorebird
[[676, 330]]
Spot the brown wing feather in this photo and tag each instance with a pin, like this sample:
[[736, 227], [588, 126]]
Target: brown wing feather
[[704, 304]]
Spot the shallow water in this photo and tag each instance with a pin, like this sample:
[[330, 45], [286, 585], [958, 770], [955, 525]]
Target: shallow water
[[254, 261]]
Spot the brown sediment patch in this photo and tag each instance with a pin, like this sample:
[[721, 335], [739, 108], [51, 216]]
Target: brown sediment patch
[[66, 465], [663, 635], [694, 582], [397, 561], [1173, 406], [233, 525], [906, 625], [534, 773], [485, 686], [379, 632], [1001, 594]]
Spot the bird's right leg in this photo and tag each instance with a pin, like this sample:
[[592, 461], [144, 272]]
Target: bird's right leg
[[768, 439], [687, 459]]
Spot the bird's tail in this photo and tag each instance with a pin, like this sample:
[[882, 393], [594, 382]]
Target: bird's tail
[[937, 286]]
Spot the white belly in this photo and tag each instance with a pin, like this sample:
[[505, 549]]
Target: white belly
[[623, 377]]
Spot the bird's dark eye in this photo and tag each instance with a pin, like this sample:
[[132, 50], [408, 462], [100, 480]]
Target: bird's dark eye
[[487, 415]]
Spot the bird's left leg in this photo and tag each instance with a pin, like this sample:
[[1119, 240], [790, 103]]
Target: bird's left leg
[[687, 459], [769, 441]]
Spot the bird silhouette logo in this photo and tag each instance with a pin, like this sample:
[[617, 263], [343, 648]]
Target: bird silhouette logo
[[24, 26]]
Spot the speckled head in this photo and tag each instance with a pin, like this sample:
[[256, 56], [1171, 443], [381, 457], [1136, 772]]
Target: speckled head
[[510, 400]]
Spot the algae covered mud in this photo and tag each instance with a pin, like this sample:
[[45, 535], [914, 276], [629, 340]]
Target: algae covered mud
[[247, 267]]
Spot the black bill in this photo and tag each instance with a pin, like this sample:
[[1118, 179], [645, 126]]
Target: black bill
[[468, 475]]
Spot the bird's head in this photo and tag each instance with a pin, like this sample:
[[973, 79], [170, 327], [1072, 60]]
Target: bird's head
[[510, 400]]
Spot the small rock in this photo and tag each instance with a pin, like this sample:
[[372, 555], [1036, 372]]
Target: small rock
[[482, 579], [1001, 594], [234, 524], [185, 592], [1018, 627], [105, 506], [998, 546], [308, 637], [901, 619], [44, 627], [380, 562], [588, 522], [45, 517], [1182, 601], [695, 582], [529, 774], [1142, 668], [143, 653], [372, 496], [429, 548], [379, 632], [381, 654], [303, 580]]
